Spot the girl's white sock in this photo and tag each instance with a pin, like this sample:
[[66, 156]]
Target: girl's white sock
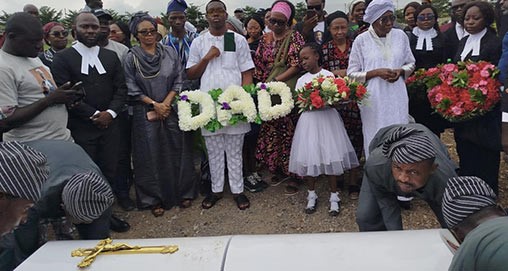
[[334, 201], [311, 198]]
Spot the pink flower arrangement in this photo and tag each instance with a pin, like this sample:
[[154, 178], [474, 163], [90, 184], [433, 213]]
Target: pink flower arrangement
[[461, 91]]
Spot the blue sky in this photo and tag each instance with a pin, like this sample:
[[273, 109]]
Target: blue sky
[[155, 7]]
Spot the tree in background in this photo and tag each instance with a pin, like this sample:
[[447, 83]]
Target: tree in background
[[195, 16], [68, 20], [249, 11], [300, 11], [48, 14], [3, 18]]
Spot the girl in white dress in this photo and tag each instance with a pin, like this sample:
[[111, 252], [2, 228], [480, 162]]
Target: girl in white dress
[[320, 145]]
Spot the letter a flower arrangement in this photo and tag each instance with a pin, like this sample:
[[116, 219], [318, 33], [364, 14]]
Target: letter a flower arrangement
[[463, 91], [328, 91], [219, 108]]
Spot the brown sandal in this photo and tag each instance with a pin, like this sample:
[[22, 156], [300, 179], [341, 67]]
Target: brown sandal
[[186, 203], [157, 211]]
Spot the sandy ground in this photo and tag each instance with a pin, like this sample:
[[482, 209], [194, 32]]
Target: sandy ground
[[272, 212]]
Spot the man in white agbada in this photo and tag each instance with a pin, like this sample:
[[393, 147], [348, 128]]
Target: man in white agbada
[[381, 57], [221, 58]]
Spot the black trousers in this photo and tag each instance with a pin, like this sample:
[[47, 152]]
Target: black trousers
[[102, 145], [479, 161]]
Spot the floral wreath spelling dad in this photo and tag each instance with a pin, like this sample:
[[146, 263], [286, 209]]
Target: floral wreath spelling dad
[[219, 108]]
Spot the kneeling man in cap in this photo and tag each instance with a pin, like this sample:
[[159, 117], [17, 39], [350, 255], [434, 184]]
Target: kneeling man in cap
[[405, 160], [478, 223], [75, 188]]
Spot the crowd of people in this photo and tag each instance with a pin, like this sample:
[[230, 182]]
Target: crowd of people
[[83, 123]]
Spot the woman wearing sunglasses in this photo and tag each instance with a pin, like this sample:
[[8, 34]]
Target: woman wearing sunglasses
[[381, 57], [162, 154], [277, 59], [55, 36], [428, 47]]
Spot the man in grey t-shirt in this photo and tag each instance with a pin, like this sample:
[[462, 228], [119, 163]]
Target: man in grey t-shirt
[[31, 106]]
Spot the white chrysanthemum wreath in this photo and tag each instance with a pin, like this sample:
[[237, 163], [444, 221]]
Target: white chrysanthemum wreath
[[267, 111], [235, 101], [187, 121]]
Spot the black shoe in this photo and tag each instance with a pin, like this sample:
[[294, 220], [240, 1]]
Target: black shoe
[[126, 203], [251, 184], [118, 225]]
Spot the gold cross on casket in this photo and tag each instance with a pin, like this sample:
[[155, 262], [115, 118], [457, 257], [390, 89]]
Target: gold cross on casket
[[107, 247]]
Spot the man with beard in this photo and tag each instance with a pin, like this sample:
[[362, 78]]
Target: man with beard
[[93, 123], [31, 106], [405, 160], [102, 38]]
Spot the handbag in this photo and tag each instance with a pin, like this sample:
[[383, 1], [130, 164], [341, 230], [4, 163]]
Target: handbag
[[279, 66]]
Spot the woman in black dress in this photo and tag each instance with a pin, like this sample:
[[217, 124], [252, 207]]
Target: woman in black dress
[[479, 140], [427, 45]]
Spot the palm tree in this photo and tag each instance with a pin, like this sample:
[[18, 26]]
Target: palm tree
[[47, 14]]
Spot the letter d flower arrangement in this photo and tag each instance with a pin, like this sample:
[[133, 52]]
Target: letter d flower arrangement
[[195, 110], [327, 91], [463, 91], [235, 105], [269, 111]]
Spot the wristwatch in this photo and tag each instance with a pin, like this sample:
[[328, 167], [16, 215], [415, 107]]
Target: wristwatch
[[152, 105]]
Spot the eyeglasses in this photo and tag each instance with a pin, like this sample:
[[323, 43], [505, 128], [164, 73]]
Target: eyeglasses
[[277, 22], [425, 17], [387, 19], [316, 7], [114, 32], [63, 33], [145, 33]]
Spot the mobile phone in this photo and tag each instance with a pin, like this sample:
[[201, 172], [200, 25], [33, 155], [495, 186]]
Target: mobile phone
[[80, 91], [152, 115], [229, 42], [311, 13]]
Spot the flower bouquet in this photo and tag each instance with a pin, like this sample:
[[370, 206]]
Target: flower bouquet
[[323, 91], [416, 85], [463, 91]]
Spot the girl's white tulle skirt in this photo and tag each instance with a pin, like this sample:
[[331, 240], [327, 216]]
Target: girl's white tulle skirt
[[321, 145]]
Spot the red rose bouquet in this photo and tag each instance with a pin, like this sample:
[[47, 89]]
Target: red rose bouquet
[[463, 91], [323, 91]]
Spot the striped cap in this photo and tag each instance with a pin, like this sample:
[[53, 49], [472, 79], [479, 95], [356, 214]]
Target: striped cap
[[22, 170], [407, 145], [465, 196], [86, 196]]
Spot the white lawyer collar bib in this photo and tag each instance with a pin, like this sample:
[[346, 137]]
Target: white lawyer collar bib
[[473, 44], [89, 58], [424, 35]]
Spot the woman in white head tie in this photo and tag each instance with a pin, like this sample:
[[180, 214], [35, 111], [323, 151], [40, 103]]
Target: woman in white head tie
[[381, 57]]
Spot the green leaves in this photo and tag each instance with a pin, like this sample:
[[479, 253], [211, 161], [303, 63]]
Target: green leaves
[[215, 93]]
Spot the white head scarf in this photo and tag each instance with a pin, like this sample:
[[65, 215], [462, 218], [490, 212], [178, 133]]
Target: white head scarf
[[376, 9]]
